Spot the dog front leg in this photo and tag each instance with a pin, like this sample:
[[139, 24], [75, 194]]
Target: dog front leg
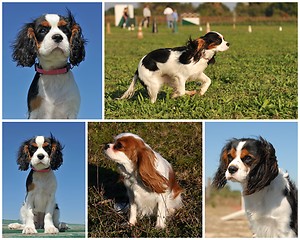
[[28, 219], [48, 220], [205, 80], [133, 214], [161, 213]]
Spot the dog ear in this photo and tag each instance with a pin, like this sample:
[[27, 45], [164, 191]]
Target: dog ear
[[148, 173], [77, 42], [56, 156], [24, 157], [25, 46], [264, 171], [220, 180]]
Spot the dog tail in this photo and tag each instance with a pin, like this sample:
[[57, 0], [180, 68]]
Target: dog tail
[[130, 91]]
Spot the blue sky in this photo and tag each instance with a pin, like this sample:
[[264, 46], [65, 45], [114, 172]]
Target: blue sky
[[70, 176], [16, 80], [282, 135]]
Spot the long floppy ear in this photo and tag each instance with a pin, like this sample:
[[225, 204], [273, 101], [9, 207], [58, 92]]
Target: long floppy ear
[[56, 156], [264, 170], [77, 41], [148, 173], [24, 157], [24, 47], [194, 50], [220, 180]]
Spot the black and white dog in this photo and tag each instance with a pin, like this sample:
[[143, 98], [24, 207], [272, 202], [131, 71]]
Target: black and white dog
[[57, 43], [271, 199], [40, 210], [176, 66]]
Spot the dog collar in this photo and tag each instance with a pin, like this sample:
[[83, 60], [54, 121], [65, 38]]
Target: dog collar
[[42, 170], [53, 71]]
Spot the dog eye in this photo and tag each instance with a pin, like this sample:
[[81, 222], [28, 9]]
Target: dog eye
[[43, 30], [247, 159], [118, 146], [32, 149], [230, 158], [64, 29]]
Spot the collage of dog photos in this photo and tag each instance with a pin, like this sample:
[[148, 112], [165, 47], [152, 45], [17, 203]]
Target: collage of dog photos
[[149, 119]]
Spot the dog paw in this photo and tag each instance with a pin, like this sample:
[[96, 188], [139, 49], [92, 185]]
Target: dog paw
[[29, 230], [51, 230], [191, 93]]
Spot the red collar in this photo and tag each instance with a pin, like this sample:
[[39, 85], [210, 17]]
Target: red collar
[[54, 71], [42, 170]]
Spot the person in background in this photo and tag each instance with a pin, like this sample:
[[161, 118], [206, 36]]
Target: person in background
[[168, 12], [175, 20], [147, 16], [125, 17]]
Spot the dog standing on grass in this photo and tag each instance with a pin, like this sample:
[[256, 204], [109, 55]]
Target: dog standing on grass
[[176, 66]]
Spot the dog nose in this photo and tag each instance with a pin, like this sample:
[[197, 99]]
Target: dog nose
[[232, 169], [106, 147], [40, 156], [228, 44], [57, 38]]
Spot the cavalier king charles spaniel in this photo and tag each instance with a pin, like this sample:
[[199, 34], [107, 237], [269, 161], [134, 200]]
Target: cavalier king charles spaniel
[[54, 44], [176, 66], [40, 210], [271, 198], [148, 177]]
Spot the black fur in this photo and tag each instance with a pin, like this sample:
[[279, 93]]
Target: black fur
[[56, 153], [33, 91], [77, 53], [292, 196], [24, 47], [160, 55], [263, 172]]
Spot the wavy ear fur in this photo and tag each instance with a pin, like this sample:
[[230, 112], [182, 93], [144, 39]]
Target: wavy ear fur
[[56, 153], [24, 157], [264, 171], [24, 47], [220, 180], [77, 42], [149, 175]]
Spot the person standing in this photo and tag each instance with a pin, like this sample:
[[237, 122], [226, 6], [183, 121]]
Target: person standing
[[168, 12], [147, 16]]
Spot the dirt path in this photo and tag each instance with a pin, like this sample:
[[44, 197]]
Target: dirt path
[[215, 227]]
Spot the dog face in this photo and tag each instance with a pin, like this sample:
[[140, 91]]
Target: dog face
[[251, 162], [51, 38], [215, 40], [40, 153]]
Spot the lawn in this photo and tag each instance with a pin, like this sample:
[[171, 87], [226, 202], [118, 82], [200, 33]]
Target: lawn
[[180, 144], [257, 78]]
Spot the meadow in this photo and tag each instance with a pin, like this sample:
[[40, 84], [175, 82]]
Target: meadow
[[105, 187], [257, 78]]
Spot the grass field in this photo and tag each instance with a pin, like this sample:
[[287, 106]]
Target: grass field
[[105, 187], [75, 231], [255, 79]]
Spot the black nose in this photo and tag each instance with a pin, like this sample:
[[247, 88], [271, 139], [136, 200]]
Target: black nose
[[106, 147], [232, 169], [57, 38], [228, 44], [40, 156]]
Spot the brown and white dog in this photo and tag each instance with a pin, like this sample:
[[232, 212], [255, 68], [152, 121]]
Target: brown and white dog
[[148, 177], [176, 66]]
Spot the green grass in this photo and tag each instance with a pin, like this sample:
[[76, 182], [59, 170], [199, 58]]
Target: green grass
[[257, 78], [75, 231], [180, 144]]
